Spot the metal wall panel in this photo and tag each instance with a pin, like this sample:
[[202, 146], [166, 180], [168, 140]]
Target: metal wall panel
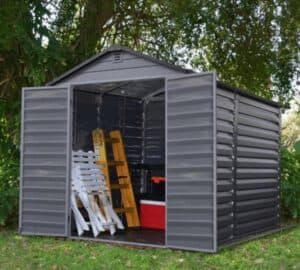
[[190, 163], [257, 167], [248, 166], [225, 164], [45, 161]]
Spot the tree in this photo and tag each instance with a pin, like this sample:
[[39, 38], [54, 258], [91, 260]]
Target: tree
[[251, 44], [24, 61]]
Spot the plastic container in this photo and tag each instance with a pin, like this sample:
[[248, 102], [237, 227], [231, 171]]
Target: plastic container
[[152, 214]]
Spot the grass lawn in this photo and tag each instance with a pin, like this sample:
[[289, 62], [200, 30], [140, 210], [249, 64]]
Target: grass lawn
[[277, 251]]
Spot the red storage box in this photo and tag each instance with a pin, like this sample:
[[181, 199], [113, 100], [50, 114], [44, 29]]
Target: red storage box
[[152, 214]]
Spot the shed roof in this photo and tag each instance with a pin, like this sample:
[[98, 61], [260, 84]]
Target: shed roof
[[117, 48]]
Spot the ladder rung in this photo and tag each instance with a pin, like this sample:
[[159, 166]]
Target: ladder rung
[[118, 186], [110, 163], [95, 192], [123, 210], [122, 176], [112, 140]]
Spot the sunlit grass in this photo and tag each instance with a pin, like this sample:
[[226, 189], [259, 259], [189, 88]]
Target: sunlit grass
[[277, 251]]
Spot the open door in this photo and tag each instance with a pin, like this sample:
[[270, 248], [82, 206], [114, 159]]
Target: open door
[[191, 162], [45, 159]]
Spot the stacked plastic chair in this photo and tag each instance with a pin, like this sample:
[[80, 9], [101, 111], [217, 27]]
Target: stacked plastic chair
[[88, 187]]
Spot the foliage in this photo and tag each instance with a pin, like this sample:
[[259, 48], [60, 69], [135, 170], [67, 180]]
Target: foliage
[[290, 181], [291, 126], [251, 44], [9, 161], [23, 61], [278, 251]]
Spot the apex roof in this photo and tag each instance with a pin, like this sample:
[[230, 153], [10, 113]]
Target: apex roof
[[117, 48]]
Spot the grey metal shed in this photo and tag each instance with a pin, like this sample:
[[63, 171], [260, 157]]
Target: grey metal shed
[[218, 147]]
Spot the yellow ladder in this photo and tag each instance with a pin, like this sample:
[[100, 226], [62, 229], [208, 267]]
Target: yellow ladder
[[120, 162]]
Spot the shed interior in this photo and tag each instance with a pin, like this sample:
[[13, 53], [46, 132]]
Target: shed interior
[[137, 109]]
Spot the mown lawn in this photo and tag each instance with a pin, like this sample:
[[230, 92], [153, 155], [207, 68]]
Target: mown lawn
[[277, 251]]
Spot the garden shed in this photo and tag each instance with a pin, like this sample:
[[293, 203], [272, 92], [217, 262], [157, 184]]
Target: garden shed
[[213, 151]]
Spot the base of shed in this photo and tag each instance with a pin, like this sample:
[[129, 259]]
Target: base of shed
[[132, 235]]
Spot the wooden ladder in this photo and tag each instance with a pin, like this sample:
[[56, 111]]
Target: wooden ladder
[[120, 163]]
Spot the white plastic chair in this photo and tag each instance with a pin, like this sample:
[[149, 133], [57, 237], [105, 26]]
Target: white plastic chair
[[87, 185]]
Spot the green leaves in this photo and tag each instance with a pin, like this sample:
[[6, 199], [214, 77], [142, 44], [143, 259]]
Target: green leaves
[[9, 160], [290, 181]]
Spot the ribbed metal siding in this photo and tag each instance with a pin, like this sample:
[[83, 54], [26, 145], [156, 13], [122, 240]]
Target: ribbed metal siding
[[155, 132], [44, 161], [248, 164], [225, 164], [190, 163], [257, 173]]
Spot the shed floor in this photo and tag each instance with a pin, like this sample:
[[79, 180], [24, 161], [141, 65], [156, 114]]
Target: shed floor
[[144, 236]]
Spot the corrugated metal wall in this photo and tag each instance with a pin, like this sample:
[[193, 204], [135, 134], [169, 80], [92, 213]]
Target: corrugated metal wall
[[44, 161], [257, 173], [225, 163], [248, 166], [190, 163]]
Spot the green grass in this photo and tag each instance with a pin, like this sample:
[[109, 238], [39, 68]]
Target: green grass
[[277, 251]]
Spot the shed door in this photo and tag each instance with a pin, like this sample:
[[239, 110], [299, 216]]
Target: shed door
[[45, 161], [190, 162]]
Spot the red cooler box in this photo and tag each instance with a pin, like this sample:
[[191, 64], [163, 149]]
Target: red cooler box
[[152, 214]]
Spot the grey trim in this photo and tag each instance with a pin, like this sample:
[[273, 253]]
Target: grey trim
[[45, 235], [166, 160], [69, 159], [279, 167], [235, 159], [143, 174], [141, 78], [114, 49], [21, 164], [215, 228]]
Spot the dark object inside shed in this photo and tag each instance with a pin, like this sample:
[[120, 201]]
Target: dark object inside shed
[[137, 110]]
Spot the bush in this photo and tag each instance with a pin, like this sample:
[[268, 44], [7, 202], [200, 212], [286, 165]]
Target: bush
[[9, 161], [9, 192], [290, 182]]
